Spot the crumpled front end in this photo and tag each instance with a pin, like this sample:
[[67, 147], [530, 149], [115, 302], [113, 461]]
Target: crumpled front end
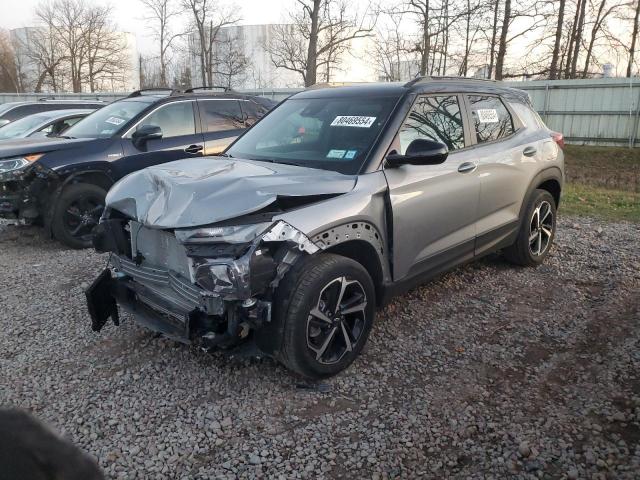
[[210, 285], [22, 191]]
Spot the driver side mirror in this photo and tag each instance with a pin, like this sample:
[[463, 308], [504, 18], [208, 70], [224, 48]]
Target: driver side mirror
[[420, 152], [145, 133]]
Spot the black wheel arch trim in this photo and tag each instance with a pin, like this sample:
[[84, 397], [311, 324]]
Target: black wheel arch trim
[[550, 173]]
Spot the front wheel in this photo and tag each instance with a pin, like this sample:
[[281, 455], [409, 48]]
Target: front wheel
[[76, 213], [537, 231], [327, 307]]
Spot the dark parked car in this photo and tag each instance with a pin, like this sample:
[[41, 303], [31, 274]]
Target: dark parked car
[[43, 124], [62, 181], [12, 111], [334, 202]]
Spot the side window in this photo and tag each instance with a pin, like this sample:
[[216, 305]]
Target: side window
[[434, 118], [24, 110], [252, 112], [221, 115], [491, 118], [175, 119]]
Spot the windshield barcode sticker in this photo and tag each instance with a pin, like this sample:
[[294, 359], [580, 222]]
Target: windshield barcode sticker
[[114, 120], [353, 121], [488, 115]]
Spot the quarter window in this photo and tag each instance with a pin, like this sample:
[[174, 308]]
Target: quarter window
[[175, 119], [491, 118], [221, 115], [435, 118]]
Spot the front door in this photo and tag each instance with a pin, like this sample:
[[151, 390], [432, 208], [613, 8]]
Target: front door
[[180, 138], [434, 206]]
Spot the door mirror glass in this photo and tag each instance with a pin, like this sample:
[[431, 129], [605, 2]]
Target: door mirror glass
[[145, 133], [420, 152]]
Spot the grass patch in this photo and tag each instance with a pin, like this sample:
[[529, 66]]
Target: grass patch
[[587, 200], [615, 168]]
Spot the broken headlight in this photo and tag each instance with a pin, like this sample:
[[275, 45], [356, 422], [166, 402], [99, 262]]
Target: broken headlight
[[227, 234], [17, 163]]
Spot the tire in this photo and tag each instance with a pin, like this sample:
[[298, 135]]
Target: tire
[[76, 213], [540, 212], [316, 281]]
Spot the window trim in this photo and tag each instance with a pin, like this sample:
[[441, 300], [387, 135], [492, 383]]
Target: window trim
[[464, 114], [515, 120], [152, 111]]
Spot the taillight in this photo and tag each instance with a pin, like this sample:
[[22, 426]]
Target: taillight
[[558, 138]]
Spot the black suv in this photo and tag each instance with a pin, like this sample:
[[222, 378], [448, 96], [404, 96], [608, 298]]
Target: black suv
[[12, 111], [62, 181]]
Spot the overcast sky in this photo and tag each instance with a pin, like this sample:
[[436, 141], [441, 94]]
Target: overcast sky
[[129, 15]]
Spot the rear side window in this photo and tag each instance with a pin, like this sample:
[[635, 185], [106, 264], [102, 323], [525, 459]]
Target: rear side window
[[221, 115], [434, 118], [252, 112], [491, 118]]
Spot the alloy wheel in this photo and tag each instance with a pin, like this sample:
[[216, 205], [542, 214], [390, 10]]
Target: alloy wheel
[[82, 215], [541, 229], [337, 322]]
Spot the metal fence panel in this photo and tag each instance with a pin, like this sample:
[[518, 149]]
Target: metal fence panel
[[593, 111]]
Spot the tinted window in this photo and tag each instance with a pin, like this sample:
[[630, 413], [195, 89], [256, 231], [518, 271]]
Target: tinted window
[[492, 119], [221, 115], [327, 133], [23, 111], [434, 118], [175, 119], [252, 112]]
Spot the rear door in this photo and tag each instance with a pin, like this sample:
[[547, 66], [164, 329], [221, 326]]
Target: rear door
[[222, 121], [181, 138], [434, 206], [506, 151]]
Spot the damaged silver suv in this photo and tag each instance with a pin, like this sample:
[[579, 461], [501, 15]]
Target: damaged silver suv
[[335, 201]]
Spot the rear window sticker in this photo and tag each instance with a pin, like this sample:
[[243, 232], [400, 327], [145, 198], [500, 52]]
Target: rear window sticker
[[353, 121], [488, 115], [351, 154], [114, 120], [336, 153]]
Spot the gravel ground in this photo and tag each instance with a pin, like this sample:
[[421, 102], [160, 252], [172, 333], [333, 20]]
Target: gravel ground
[[490, 371]]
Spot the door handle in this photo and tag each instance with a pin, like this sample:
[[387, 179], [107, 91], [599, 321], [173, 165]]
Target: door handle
[[529, 151], [467, 167], [193, 149]]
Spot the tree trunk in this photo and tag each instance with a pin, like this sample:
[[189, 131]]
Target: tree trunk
[[592, 40], [312, 48], [553, 70], [582, 5], [502, 46], [494, 35], [634, 38], [426, 42]]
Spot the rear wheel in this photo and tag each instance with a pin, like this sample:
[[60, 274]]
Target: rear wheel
[[76, 213], [537, 231], [327, 307]]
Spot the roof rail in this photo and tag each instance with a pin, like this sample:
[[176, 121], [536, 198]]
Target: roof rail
[[143, 91], [318, 85], [211, 87], [427, 78]]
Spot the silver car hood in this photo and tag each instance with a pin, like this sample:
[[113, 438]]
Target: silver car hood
[[195, 192]]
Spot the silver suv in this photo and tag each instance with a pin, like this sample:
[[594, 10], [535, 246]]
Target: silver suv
[[338, 199]]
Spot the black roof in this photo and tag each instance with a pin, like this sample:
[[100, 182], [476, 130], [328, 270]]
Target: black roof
[[418, 85]]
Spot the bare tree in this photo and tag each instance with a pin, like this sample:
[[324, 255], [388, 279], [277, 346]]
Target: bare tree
[[634, 39], [230, 63], [9, 80], [317, 35], [208, 17], [393, 52], [555, 56], [161, 14]]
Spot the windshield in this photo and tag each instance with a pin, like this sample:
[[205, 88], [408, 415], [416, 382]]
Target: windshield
[[327, 133], [108, 120], [22, 126]]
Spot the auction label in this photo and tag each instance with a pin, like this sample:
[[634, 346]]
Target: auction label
[[488, 115], [353, 121]]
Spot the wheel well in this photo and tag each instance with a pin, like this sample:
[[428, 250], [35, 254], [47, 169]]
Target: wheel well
[[96, 178], [553, 187], [366, 255]]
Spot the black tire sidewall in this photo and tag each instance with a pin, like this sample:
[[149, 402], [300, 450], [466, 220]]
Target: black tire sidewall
[[538, 197], [68, 195], [300, 357]]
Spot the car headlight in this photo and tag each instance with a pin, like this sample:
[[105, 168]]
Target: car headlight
[[230, 234], [17, 163]]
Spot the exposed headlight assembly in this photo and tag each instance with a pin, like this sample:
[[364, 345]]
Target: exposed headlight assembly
[[230, 234], [17, 163]]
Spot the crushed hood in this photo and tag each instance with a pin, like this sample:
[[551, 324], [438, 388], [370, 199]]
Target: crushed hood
[[195, 192]]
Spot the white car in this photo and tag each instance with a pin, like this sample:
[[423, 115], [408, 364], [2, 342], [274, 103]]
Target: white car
[[41, 124]]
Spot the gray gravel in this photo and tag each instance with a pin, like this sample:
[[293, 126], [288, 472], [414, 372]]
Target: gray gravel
[[490, 371]]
